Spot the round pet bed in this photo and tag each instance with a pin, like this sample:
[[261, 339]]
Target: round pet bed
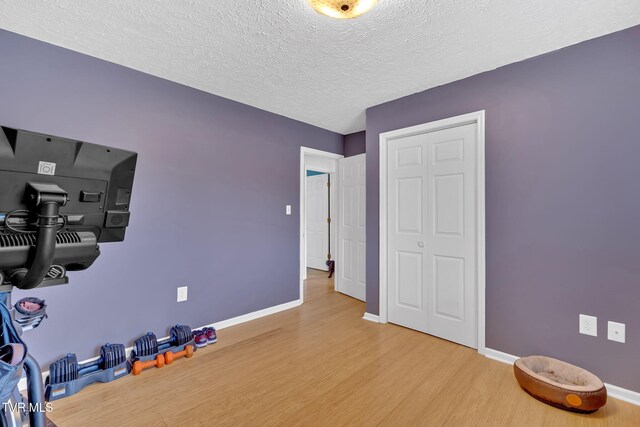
[[560, 384]]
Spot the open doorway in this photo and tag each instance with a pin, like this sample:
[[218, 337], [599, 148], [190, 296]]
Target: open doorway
[[318, 203], [320, 235], [345, 227]]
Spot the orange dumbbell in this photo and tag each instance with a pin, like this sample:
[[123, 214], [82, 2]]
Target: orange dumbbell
[[139, 366], [169, 356]]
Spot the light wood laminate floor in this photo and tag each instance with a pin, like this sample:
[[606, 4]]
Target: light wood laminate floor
[[322, 364]]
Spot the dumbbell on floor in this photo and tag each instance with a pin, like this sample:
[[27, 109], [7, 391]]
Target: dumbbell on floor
[[139, 366], [169, 356]]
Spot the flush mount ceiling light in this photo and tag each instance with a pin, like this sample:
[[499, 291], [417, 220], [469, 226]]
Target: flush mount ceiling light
[[342, 9]]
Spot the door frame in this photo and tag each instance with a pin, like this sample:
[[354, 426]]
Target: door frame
[[478, 118], [307, 153]]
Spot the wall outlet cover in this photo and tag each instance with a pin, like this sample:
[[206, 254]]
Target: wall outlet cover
[[616, 331], [589, 325]]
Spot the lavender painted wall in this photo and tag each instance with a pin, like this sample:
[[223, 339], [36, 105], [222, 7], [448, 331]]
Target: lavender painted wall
[[355, 143], [208, 208], [562, 198]]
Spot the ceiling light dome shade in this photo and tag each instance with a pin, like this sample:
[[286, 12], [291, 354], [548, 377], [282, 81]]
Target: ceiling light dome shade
[[342, 9]]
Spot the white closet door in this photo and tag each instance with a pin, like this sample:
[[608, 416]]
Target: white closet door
[[432, 233], [350, 266], [451, 252], [317, 212], [407, 232]]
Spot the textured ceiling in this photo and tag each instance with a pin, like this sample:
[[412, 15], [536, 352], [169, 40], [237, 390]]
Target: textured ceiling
[[281, 56]]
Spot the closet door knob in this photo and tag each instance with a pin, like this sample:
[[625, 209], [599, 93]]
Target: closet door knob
[[421, 244]]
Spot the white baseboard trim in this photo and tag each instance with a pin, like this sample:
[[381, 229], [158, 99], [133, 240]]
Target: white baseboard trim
[[255, 315], [614, 391], [500, 356], [22, 385], [620, 393], [371, 317]]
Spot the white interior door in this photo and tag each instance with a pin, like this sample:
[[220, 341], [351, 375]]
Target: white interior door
[[431, 233], [407, 234], [350, 266], [317, 211]]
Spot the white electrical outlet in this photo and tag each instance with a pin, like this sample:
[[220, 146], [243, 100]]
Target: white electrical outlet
[[589, 325], [288, 210], [615, 331], [182, 294]]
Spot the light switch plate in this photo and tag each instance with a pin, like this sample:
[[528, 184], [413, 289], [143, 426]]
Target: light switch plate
[[616, 331], [182, 293], [288, 210]]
